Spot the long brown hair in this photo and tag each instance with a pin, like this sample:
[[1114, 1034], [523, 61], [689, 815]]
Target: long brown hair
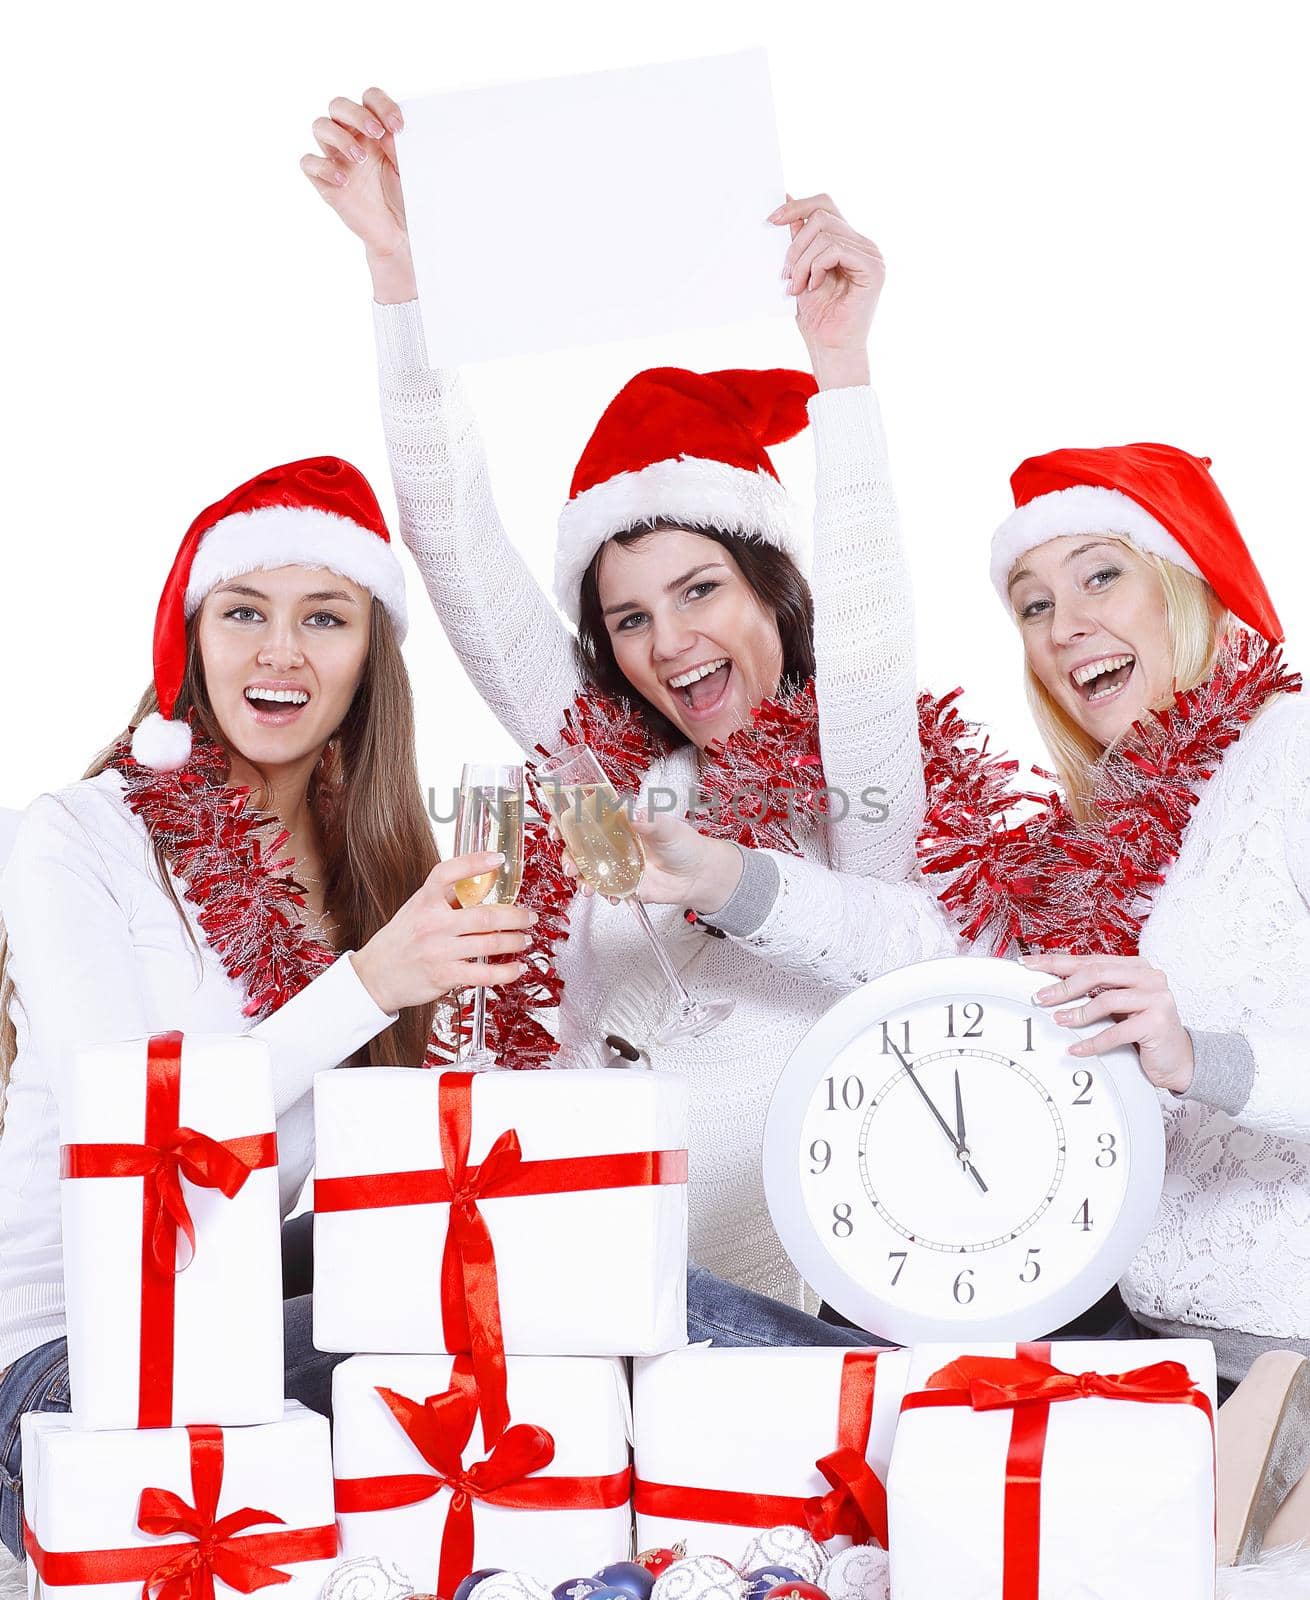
[[377, 840], [771, 575]]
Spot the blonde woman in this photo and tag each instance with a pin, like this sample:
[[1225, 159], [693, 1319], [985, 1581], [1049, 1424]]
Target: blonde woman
[[1169, 892], [149, 897]]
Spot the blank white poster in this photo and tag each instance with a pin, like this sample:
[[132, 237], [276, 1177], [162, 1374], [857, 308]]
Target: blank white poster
[[614, 205]]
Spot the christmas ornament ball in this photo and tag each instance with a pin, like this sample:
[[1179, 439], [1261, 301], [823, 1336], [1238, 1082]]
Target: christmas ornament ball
[[510, 1586], [700, 1578], [576, 1589], [659, 1560], [857, 1573], [793, 1548], [796, 1591], [629, 1576], [759, 1580], [466, 1586]]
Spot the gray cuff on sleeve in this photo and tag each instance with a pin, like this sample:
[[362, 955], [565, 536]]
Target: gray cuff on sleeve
[[751, 901], [1225, 1071]]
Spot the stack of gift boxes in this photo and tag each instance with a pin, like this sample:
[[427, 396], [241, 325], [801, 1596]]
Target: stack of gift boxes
[[496, 1244]]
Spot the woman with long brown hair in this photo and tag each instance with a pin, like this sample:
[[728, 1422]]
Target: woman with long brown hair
[[153, 895]]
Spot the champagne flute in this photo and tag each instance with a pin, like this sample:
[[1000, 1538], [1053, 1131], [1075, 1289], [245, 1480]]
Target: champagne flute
[[600, 837], [490, 817]]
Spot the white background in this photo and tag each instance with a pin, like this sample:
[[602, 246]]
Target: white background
[[1094, 219]]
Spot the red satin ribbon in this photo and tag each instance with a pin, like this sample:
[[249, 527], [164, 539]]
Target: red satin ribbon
[[440, 1428], [187, 1571], [1029, 1385], [169, 1154], [855, 1505], [470, 1298]]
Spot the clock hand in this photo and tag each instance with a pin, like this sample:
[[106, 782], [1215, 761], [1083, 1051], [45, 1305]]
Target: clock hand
[[962, 1148], [956, 1144]]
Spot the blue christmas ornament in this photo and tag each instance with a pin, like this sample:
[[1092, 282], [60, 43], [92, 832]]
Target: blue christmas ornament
[[629, 1576], [577, 1589], [759, 1580], [466, 1586], [610, 1591]]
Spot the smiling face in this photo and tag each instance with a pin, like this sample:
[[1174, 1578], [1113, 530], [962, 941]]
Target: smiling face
[[688, 632], [1095, 628], [283, 653]]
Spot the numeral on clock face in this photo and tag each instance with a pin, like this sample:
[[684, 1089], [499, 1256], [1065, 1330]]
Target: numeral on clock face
[[973, 1015], [903, 1043], [821, 1155], [851, 1095], [1082, 1081]]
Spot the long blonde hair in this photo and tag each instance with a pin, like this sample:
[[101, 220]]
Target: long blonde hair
[[377, 840], [1198, 624]]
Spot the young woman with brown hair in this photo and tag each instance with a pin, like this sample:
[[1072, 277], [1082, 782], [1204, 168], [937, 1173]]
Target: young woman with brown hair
[[153, 895]]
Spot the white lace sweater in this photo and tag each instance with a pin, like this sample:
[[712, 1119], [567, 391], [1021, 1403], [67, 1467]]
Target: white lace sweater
[[1231, 929], [833, 924]]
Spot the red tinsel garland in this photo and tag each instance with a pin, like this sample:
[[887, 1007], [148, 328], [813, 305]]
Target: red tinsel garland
[[247, 900], [1047, 881]]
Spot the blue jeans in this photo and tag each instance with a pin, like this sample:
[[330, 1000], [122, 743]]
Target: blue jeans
[[38, 1381]]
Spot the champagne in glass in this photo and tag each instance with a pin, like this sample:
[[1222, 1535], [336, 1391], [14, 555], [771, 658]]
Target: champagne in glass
[[490, 817], [598, 833], [503, 831], [600, 838]]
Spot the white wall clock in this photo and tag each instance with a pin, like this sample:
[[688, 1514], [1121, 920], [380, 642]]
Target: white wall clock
[[938, 1165]]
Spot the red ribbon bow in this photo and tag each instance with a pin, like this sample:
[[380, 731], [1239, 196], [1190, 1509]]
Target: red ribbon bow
[[1028, 1385], [190, 1574], [995, 1382], [440, 1428], [855, 1505], [187, 1571], [168, 1154]]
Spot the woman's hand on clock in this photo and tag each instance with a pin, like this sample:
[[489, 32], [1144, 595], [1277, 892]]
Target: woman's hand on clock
[[1133, 992]]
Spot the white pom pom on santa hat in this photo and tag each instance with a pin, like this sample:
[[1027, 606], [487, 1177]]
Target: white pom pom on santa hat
[[161, 744], [319, 512]]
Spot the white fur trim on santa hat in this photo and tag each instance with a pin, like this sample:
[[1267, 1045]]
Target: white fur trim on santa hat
[[1084, 508], [684, 489], [298, 536], [160, 744]]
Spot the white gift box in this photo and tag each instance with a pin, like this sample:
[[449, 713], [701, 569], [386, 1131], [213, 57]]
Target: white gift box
[[752, 1422], [585, 1271], [203, 1343], [83, 1494], [583, 1404], [1127, 1496]]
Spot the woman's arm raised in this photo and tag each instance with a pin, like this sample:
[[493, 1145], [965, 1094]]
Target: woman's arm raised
[[504, 629], [863, 605]]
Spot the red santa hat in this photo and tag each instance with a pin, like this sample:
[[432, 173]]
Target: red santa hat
[[684, 447], [1160, 499], [314, 513]]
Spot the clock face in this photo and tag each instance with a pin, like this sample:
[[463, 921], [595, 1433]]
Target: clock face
[[937, 1163]]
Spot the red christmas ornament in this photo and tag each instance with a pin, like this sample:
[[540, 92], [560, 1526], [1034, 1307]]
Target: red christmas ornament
[[657, 1561], [797, 1590]]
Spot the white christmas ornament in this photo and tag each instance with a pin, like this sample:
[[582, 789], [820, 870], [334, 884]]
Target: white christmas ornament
[[366, 1578], [698, 1578], [859, 1572], [786, 1547], [510, 1586]]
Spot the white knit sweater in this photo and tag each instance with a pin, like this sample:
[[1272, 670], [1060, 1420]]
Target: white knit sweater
[[99, 953], [829, 929], [1231, 930]]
